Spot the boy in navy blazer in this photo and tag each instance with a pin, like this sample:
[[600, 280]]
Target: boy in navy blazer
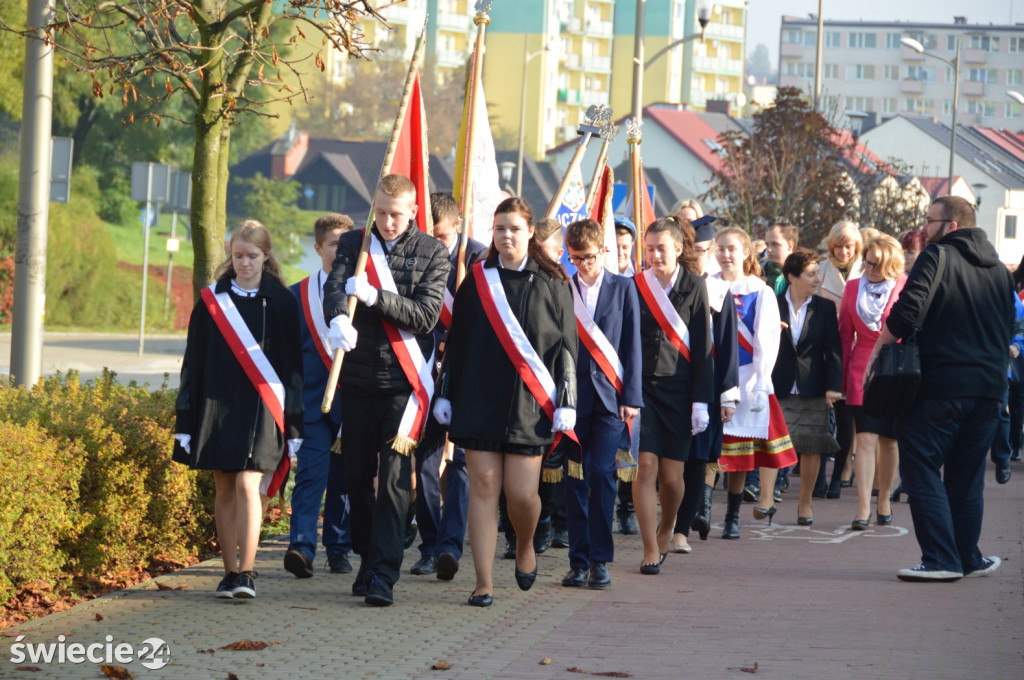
[[318, 468], [608, 399]]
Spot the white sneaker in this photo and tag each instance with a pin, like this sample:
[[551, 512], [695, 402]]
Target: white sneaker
[[988, 566], [923, 573]]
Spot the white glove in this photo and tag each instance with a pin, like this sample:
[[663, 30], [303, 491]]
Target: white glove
[[443, 411], [185, 441], [564, 420], [361, 288], [341, 334], [293, 449], [758, 401], [699, 417]]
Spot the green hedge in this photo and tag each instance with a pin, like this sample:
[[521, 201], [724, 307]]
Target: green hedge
[[96, 492]]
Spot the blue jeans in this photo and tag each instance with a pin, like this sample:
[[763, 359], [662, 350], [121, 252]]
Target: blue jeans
[[590, 502], [1001, 442], [319, 469], [943, 443], [440, 531]]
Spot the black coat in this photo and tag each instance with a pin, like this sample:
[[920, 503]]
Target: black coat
[[231, 427], [419, 265], [475, 252], [661, 359], [490, 402], [815, 361]]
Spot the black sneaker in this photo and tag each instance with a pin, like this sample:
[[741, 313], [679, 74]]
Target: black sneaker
[[923, 573], [339, 564], [245, 586], [751, 494], [296, 562], [226, 586], [379, 593], [447, 566], [560, 538], [988, 566]]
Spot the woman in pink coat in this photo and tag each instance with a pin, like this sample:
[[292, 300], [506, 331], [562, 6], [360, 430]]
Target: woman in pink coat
[[865, 306]]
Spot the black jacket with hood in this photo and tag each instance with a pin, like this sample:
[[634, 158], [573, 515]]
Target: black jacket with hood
[[965, 336]]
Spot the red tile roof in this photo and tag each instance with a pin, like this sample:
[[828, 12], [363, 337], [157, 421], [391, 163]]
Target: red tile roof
[[690, 130], [1010, 142]]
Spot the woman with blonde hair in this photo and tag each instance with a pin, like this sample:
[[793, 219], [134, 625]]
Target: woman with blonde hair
[[756, 436], [865, 307]]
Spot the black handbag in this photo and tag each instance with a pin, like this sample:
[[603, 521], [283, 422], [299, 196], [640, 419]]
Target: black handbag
[[895, 374]]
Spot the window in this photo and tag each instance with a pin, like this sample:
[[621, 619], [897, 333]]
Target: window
[[861, 72], [929, 40], [1012, 110], [793, 35], [947, 107], [1013, 76], [864, 41], [923, 73], [1009, 226], [811, 39], [984, 42], [951, 43], [830, 71], [950, 75], [920, 106], [892, 41], [983, 75], [891, 73], [1016, 45], [800, 69], [866, 104], [983, 108], [888, 104], [833, 39]]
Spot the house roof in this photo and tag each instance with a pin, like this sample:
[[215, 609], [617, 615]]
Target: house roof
[[1010, 142], [976, 148], [858, 154], [937, 186]]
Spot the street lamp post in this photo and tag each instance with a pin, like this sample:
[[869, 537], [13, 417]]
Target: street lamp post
[[919, 48], [522, 111]]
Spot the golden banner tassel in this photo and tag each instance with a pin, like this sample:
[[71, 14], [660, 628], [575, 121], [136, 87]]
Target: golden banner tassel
[[336, 446], [575, 469], [624, 457], [403, 444], [627, 474], [554, 475], [712, 468]]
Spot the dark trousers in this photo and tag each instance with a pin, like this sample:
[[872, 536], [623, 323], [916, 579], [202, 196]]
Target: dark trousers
[[1016, 403], [369, 422], [1000, 451], [320, 470], [440, 530], [625, 507], [590, 502], [943, 443]]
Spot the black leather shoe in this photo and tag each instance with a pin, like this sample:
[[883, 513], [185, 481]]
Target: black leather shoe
[[339, 564], [1003, 474], [510, 548], [575, 578], [296, 562], [362, 580], [859, 525], [599, 576], [560, 538], [884, 519], [424, 565], [410, 535], [447, 566], [1015, 455], [833, 490], [648, 569], [542, 537], [627, 524], [804, 521], [481, 600], [378, 593], [761, 513], [751, 494], [525, 580]]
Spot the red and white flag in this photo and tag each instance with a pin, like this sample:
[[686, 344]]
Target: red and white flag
[[412, 153], [603, 214]]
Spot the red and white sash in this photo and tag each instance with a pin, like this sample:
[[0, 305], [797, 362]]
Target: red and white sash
[[512, 337], [256, 366], [744, 334], [601, 350], [313, 312], [446, 308], [414, 365], [664, 313]]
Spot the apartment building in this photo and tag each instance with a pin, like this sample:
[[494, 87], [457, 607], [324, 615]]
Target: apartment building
[[867, 70]]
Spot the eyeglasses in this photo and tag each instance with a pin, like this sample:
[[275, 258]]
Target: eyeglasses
[[869, 264], [583, 259], [701, 251], [931, 221]]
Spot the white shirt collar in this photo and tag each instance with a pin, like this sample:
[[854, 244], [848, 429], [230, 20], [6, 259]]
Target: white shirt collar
[[591, 292], [674, 279], [521, 267]]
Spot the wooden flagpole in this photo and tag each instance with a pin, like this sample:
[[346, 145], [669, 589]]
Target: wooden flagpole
[[593, 120], [389, 156], [633, 129], [608, 133], [481, 20]]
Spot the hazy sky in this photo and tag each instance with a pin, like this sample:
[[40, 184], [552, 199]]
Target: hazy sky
[[765, 16]]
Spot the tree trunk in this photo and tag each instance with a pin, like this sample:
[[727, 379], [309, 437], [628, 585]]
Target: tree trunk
[[209, 195]]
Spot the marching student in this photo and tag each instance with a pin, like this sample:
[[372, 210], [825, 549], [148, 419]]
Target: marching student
[[319, 470], [240, 396], [508, 388], [443, 531], [756, 436], [698, 483], [625, 238], [678, 380], [608, 396], [386, 382]]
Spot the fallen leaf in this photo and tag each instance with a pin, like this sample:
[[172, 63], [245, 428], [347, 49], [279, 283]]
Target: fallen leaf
[[98, 617], [246, 645], [232, 676], [34, 669], [545, 661], [612, 674], [744, 669], [205, 651], [858, 665], [163, 586], [441, 666], [119, 672], [573, 669]]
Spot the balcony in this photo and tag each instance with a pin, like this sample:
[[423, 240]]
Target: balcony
[[975, 56], [602, 64], [718, 65], [398, 14], [451, 58], [792, 49], [912, 86], [588, 99], [572, 62], [973, 88], [724, 31], [575, 26], [453, 22], [599, 28], [570, 97]]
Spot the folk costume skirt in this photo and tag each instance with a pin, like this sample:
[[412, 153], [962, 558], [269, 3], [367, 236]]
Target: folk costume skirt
[[742, 454]]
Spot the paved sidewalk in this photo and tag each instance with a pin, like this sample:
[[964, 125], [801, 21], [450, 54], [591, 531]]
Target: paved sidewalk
[[796, 602]]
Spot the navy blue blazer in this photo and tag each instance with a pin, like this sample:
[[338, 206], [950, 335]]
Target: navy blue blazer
[[315, 371], [617, 314]]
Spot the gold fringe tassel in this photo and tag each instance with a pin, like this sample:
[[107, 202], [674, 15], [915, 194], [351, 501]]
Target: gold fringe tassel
[[403, 445], [624, 457], [554, 475], [575, 469], [712, 468], [627, 474], [336, 446]]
